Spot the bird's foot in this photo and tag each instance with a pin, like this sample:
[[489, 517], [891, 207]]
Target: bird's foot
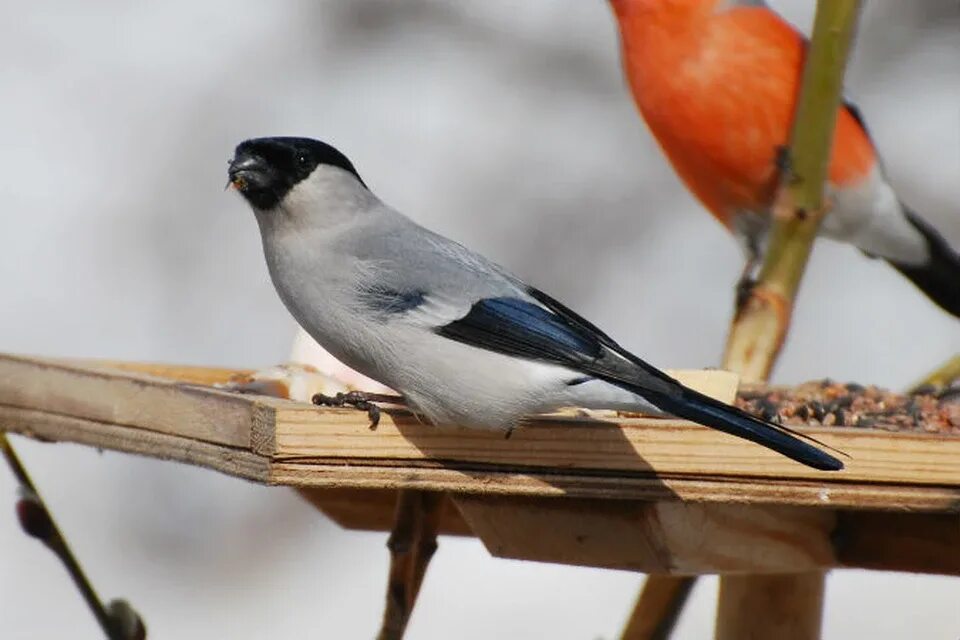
[[358, 400], [355, 399]]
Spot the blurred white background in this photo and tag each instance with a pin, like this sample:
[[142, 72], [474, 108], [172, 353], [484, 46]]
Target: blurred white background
[[502, 124]]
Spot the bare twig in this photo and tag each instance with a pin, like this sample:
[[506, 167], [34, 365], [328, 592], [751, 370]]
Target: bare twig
[[118, 620], [760, 327], [412, 544]]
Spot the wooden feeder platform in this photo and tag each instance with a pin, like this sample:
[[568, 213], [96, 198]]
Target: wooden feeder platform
[[659, 496]]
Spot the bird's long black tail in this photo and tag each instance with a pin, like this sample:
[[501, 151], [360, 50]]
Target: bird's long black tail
[[939, 278], [633, 374], [695, 406]]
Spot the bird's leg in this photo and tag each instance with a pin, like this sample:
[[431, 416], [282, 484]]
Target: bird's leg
[[358, 400], [747, 281], [783, 160], [749, 229]]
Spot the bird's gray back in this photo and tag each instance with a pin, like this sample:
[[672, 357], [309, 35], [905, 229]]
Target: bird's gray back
[[397, 253]]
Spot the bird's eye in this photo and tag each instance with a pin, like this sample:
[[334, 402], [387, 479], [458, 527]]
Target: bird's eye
[[302, 160]]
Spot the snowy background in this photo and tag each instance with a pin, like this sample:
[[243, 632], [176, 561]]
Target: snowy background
[[502, 124]]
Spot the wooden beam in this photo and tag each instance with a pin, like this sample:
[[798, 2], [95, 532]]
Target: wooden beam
[[368, 474], [889, 541], [758, 607], [109, 397], [372, 510], [636, 445], [658, 606], [662, 537]]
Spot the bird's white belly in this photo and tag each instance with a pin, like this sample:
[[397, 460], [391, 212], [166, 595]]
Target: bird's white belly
[[451, 383], [869, 216]]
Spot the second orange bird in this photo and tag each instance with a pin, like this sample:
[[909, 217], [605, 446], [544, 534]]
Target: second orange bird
[[717, 83]]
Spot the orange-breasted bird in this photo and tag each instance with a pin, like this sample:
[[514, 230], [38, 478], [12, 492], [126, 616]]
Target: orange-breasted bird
[[717, 82]]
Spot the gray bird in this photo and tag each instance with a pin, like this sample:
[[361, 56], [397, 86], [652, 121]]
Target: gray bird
[[464, 341]]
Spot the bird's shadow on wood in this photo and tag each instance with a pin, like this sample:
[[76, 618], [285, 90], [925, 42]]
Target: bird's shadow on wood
[[578, 456], [573, 490]]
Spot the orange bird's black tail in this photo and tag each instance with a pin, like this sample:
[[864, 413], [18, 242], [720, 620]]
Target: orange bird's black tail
[[939, 278]]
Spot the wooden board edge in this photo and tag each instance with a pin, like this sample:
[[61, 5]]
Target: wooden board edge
[[51, 427], [871, 496]]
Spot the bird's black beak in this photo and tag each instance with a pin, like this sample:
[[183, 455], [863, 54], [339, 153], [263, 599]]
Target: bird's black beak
[[246, 172]]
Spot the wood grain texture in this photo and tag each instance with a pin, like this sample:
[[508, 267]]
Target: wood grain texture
[[657, 608], [892, 540], [283, 442], [190, 374], [887, 541], [103, 395], [51, 427], [760, 607], [372, 510], [652, 537], [484, 479], [639, 445]]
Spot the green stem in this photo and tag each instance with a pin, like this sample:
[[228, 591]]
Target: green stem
[[760, 327], [942, 376], [792, 236]]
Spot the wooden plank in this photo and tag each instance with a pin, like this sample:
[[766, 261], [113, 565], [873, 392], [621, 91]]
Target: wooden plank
[[663, 537], [900, 541], [889, 541], [651, 445], [634, 458], [658, 606], [301, 430], [477, 480], [50, 427], [286, 430], [181, 373], [373, 510], [107, 396], [490, 479], [758, 607]]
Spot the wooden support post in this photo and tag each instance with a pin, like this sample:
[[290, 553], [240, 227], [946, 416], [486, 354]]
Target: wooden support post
[[758, 607], [658, 607], [789, 606]]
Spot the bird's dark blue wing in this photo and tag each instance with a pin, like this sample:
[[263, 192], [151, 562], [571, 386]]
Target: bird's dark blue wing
[[523, 328], [551, 332]]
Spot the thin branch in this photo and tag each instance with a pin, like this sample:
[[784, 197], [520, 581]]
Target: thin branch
[[117, 619], [759, 330], [412, 544], [942, 376]]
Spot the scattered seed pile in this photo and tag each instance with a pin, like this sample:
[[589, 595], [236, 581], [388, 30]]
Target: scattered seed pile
[[833, 404]]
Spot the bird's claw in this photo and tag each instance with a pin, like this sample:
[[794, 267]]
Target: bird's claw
[[356, 399]]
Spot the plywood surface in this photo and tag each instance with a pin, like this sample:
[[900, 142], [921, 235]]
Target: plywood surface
[[135, 408]]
